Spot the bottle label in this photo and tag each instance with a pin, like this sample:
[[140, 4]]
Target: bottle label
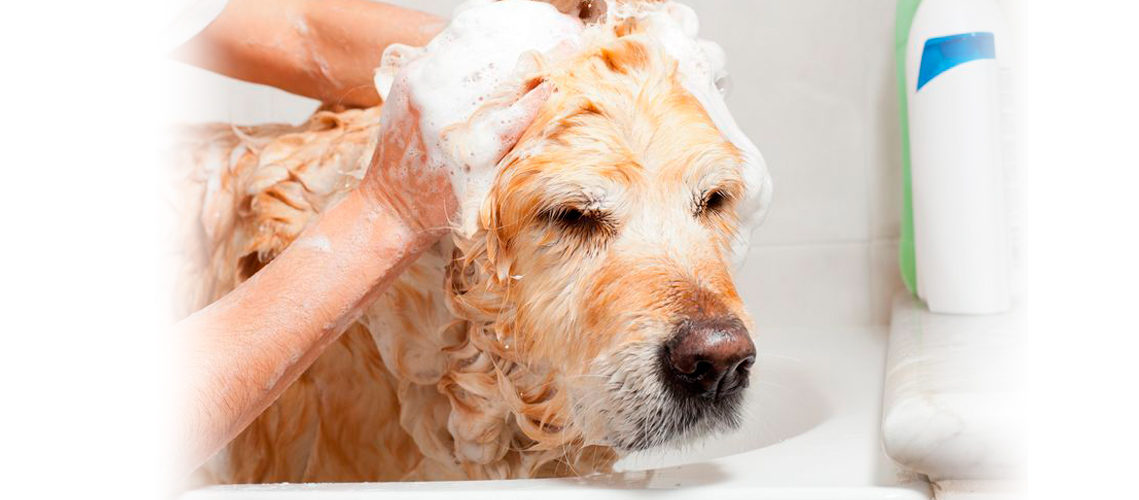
[[942, 53]]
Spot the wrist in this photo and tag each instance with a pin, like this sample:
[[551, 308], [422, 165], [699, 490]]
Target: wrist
[[378, 225], [363, 245], [426, 214]]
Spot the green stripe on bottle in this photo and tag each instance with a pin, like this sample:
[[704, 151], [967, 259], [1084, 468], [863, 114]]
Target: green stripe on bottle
[[903, 19]]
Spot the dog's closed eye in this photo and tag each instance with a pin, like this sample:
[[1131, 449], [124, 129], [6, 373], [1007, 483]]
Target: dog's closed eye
[[714, 202], [578, 222]]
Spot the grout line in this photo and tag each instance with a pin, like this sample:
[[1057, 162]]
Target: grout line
[[872, 184], [874, 169]]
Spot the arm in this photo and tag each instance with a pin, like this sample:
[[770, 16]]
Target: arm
[[323, 49], [244, 350]]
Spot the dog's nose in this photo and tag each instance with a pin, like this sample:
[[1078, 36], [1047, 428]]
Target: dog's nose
[[710, 357]]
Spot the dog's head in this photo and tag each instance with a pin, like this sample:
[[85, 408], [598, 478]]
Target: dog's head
[[603, 255]]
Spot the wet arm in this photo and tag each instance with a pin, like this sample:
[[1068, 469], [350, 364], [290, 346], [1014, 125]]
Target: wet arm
[[323, 49], [244, 350]]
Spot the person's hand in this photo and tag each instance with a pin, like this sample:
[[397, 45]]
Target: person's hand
[[408, 177]]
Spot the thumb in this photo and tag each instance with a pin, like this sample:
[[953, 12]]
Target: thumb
[[518, 117]]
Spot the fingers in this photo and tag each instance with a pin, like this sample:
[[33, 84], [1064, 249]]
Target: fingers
[[400, 110], [563, 50], [513, 121], [525, 109], [396, 56]]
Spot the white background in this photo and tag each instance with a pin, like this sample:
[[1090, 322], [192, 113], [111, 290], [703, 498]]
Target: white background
[[83, 373]]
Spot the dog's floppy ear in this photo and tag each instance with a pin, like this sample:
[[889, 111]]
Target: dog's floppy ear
[[396, 57], [480, 265], [497, 258]]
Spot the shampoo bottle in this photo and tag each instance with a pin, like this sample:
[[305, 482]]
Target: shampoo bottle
[[954, 65]]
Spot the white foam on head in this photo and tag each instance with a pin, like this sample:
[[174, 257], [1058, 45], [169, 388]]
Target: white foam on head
[[702, 66], [473, 60], [477, 57]]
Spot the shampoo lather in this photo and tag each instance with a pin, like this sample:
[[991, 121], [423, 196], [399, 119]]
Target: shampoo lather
[[953, 81]]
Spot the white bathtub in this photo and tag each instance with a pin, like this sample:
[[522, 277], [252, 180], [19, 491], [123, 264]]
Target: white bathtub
[[812, 432]]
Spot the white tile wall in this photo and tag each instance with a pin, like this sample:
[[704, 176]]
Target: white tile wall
[[807, 284], [813, 86], [797, 91]]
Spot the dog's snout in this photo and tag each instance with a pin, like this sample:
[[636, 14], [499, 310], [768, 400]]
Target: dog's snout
[[710, 357]]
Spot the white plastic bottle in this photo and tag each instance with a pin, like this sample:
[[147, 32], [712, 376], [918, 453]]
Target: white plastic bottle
[[954, 62]]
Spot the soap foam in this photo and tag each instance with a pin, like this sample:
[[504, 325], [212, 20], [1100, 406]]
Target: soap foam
[[473, 62], [702, 67], [486, 52]]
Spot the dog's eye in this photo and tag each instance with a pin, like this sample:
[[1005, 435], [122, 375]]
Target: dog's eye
[[570, 216], [577, 221], [713, 202]]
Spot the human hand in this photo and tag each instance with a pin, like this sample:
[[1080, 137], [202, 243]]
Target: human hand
[[418, 181], [453, 108]]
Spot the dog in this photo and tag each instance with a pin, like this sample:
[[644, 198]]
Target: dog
[[590, 313]]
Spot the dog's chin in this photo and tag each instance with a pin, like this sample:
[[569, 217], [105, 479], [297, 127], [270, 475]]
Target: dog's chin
[[638, 409], [689, 421]]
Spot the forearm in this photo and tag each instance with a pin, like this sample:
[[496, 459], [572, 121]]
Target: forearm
[[247, 348], [322, 49]]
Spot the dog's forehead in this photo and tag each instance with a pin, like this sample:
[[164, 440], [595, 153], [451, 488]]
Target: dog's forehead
[[622, 114], [682, 149]]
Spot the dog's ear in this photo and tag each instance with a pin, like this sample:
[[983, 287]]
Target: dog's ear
[[497, 241], [479, 265]]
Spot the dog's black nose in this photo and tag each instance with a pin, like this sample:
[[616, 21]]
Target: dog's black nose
[[710, 357]]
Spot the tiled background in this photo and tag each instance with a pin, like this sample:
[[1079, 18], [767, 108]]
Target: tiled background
[[813, 86]]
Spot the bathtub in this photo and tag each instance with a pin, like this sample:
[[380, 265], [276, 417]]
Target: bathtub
[[811, 431]]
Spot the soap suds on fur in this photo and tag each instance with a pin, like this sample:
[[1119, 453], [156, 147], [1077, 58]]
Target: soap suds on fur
[[486, 52], [475, 61]]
